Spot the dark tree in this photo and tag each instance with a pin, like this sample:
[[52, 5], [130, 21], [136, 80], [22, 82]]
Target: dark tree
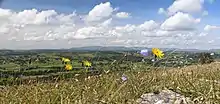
[[205, 58]]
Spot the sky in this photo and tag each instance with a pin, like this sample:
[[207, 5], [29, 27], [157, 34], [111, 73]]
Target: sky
[[41, 24]]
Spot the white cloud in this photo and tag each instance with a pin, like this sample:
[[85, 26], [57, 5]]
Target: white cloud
[[180, 21], [203, 34], [123, 15], [33, 17], [103, 10], [149, 25], [190, 6], [210, 27], [122, 30], [161, 11], [107, 23], [38, 25], [94, 32], [5, 12]]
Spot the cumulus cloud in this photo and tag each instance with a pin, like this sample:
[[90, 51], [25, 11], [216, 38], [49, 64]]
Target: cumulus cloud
[[37, 25], [103, 10], [180, 21], [190, 6], [34, 17], [149, 25], [186, 6], [123, 15], [210, 27]]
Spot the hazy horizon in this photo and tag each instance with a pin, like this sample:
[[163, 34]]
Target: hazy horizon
[[105, 47]]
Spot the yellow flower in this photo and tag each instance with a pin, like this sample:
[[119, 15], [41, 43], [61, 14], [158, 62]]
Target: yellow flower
[[65, 60], [68, 67], [157, 52], [87, 63]]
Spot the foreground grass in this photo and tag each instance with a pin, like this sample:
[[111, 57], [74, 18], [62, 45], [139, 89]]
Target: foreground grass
[[199, 82]]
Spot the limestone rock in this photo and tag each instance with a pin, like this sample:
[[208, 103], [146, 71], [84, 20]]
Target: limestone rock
[[164, 97]]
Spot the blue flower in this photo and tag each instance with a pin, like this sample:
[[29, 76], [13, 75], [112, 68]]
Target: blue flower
[[124, 78], [144, 52]]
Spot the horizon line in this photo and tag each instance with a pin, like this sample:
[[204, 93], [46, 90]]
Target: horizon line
[[107, 47]]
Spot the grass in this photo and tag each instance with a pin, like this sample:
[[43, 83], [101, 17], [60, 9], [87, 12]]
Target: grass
[[199, 82], [9, 65]]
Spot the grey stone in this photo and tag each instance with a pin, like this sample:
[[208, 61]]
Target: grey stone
[[164, 97]]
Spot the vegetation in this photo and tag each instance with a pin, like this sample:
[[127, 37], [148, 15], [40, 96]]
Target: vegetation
[[205, 58], [39, 77]]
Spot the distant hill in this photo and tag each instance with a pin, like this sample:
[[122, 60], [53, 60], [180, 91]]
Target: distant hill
[[100, 48], [121, 48], [108, 48]]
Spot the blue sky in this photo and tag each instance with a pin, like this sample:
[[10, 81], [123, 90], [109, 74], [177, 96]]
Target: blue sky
[[133, 6], [186, 16], [140, 9], [86, 5]]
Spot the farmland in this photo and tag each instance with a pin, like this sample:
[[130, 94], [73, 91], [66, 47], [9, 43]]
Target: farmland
[[43, 69]]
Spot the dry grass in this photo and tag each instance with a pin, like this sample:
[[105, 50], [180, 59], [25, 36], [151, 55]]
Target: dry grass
[[199, 82]]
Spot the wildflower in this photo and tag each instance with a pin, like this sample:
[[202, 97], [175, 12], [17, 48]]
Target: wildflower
[[87, 63], [144, 52], [124, 78], [157, 52], [65, 60], [68, 67]]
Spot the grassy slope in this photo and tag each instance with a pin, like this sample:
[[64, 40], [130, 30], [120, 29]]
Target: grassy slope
[[199, 82]]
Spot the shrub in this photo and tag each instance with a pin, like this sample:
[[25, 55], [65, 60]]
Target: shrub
[[205, 58]]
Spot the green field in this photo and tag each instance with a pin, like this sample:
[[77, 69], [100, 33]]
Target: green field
[[40, 77]]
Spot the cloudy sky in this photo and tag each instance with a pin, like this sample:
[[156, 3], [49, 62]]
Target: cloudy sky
[[29, 24]]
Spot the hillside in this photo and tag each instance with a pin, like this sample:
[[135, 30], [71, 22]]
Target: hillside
[[199, 82]]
